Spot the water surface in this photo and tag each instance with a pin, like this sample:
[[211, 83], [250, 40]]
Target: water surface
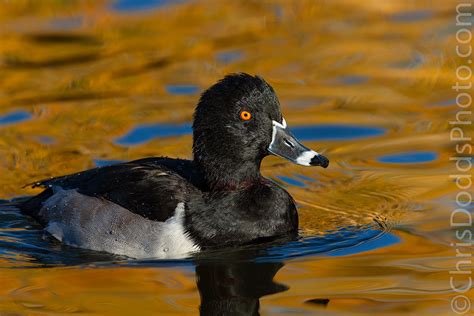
[[94, 83]]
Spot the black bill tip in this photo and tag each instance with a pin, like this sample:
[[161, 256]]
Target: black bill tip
[[319, 160]]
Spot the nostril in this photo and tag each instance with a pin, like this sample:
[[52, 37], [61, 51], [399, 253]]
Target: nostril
[[288, 143]]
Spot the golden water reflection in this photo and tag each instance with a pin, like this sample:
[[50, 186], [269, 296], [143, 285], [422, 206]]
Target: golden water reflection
[[76, 76]]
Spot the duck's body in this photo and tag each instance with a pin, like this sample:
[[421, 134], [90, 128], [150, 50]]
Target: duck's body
[[168, 208], [158, 207]]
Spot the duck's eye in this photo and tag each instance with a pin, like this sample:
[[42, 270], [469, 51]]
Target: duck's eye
[[245, 115]]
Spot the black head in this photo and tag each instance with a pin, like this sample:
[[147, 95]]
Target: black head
[[237, 123]]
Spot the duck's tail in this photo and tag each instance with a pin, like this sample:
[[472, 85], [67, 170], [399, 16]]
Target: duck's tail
[[32, 205]]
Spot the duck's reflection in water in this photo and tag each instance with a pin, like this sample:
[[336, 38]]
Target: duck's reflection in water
[[234, 288], [229, 282]]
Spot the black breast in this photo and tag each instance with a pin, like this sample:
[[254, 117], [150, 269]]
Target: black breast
[[259, 213]]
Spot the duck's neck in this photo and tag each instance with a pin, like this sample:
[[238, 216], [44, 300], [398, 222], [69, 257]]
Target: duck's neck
[[224, 172], [229, 175], [226, 162]]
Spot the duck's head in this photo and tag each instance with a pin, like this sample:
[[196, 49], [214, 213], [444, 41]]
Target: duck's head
[[237, 123]]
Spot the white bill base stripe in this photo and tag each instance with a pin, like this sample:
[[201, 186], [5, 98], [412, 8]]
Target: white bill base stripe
[[306, 157]]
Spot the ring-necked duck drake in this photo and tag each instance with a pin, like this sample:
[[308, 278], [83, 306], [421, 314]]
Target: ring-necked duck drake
[[169, 208]]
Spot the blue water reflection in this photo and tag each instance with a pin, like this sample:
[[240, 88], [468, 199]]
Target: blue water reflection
[[15, 117], [47, 140], [105, 163], [292, 181], [141, 5], [182, 89], [352, 79], [346, 241], [410, 157], [411, 16], [448, 102], [336, 132], [416, 60], [229, 56], [146, 133]]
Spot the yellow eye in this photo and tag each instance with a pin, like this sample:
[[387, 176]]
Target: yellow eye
[[245, 115]]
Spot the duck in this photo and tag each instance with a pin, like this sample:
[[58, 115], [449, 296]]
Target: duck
[[169, 208]]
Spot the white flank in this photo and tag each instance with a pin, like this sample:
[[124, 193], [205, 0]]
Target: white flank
[[91, 223]]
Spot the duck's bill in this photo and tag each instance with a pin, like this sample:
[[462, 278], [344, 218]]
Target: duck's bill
[[285, 145]]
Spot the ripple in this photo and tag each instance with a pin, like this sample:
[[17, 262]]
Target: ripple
[[292, 181], [448, 102], [74, 59], [344, 242], [411, 16], [352, 79], [105, 163], [46, 38], [229, 57], [336, 132], [410, 157], [141, 5], [305, 103], [416, 60], [305, 178], [67, 23], [47, 140], [182, 89], [15, 117], [144, 133]]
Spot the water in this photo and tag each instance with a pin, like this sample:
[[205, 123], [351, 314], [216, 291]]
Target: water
[[14, 117], [410, 157], [88, 84]]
